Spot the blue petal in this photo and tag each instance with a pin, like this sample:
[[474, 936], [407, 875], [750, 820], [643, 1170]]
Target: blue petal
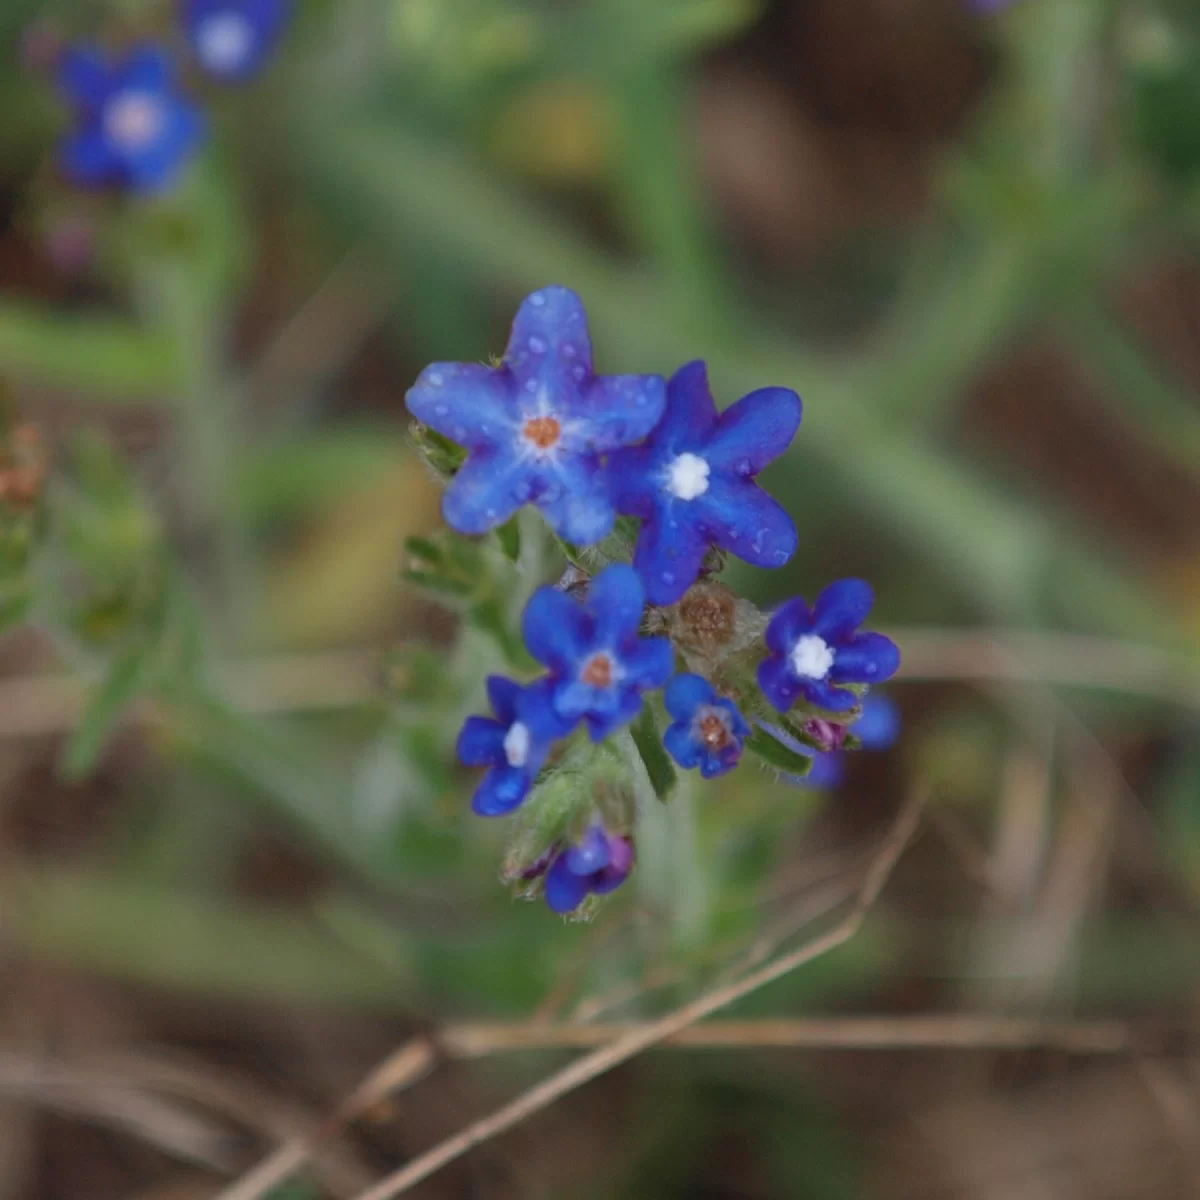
[[744, 520], [502, 790], [85, 158], [502, 695], [624, 408], [471, 404], [481, 742], [565, 891], [778, 683], [669, 559], [579, 508], [739, 724], [690, 412], [535, 709], [616, 601], [685, 749], [603, 722], [550, 343], [158, 166], [147, 69], [754, 431], [721, 762], [650, 663], [827, 772], [685, 693], [879, 726], [83, 77], [841, 608], [633, 480], [865, 658], [555, 629], [485, 492], [790, 621], [591, 854], [824, 694]]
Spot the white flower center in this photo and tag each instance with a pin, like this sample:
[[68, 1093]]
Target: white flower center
[[134, 120], [224, 41], [687, 476], [516, 744], [810, 657]]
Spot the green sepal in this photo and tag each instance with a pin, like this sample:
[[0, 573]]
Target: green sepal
[[776, 754], [443, 456], [509, 537]]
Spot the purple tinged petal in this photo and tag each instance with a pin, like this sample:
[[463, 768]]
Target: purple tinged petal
[[550, 342], [485, 493], [746, 521], [790, 621], [591, 854], [555, 629], [669, 558], [466, 402], [502, 695], [865, 658], [841, 608], [615, 601], [565, 891], [687, 692], [650, 663], [720, 762], [502, 790], [481, 742], [754, 431], [623, 408]]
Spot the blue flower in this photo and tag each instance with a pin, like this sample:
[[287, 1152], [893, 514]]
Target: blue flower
[[599, 664], [811, 652], [231, 39], [708, 730], [537, 425], [133, 127], [692, 483], [514, 744], [598, 863], [876, 729]]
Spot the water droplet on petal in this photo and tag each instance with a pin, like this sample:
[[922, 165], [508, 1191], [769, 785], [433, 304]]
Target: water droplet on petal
[[668, 577], [531, 385], [537, 299], [437, 379], [568, 350], [537, 345], [460, 431], [742, 466], [490, 514], [441, 410], [579, 373]]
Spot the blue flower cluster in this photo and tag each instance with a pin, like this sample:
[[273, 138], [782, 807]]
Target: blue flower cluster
[[134, 125], [542, 428]]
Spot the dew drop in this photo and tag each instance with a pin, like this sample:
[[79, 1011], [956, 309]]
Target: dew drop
[[537, 300], [668, 577], [437, 379], [537, 345], [460, 431], [568, 350], [579, 373], [490, 514], [742, 466], [441, 410], [531, 385]]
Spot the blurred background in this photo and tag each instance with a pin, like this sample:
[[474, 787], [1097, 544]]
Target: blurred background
[[238, 865]]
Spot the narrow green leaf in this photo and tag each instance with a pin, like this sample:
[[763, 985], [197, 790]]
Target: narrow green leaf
[[126, 679], [655, 759], [509, 537], [777, 754]]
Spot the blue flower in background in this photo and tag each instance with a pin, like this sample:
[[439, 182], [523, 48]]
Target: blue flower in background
[[812, 651], [876, 729], [133, 127], [692, 483], [515, 743], [599, 863], [537, 425], [599, 664], [231, 39], [708, 730]]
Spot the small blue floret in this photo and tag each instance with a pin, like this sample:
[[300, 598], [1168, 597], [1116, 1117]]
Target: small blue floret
[[514, 744], [537, 425], [812, 651], [599, 863], [708, 731], [692, 483], [598, 662], [231, 39], [133, 127]]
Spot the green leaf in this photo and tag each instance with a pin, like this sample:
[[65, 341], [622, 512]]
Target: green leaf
[[654, 756], [127, 678], [509, 537], [778, 755]]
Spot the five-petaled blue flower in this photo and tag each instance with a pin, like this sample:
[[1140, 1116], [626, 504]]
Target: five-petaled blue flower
[[231, 39], [537, 425], [133, 126], [708, 730], [692, 483], [599, 664], [812, 651], [599, 863], [515, 743]]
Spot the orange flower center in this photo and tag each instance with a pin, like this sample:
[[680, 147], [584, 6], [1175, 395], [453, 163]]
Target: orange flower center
[[598, 672], [714, 733], [543, 432]]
